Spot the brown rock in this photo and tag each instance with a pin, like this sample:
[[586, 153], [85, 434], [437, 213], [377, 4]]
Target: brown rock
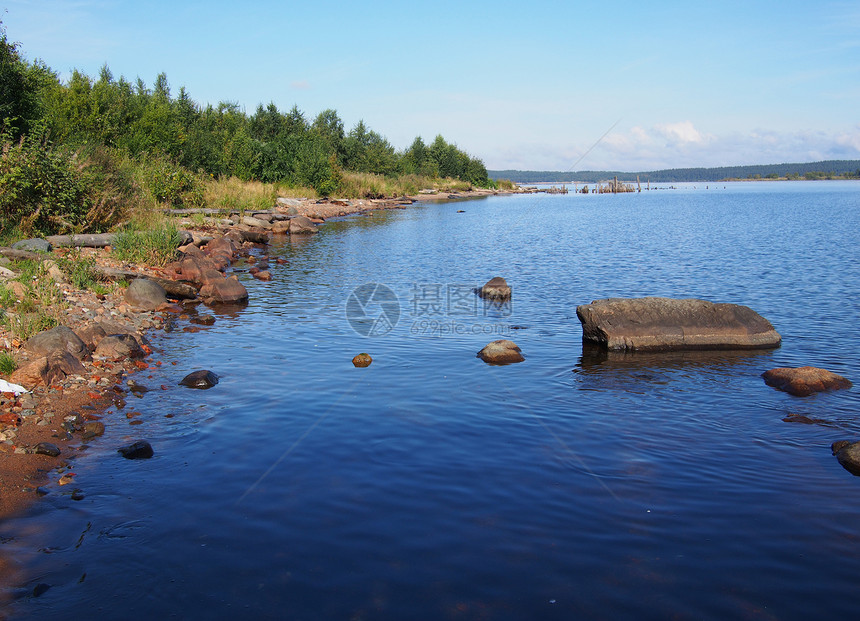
[[220, 245], [664, 324], [91, 334], [224, 290], [265, 275], [145, 294], [62, 364], [281, 227], [501, 352], [119, 347], [848, 455], [31, 374], [59, 338], [804, 381], [302, 225], [362, 360], [495, 289]]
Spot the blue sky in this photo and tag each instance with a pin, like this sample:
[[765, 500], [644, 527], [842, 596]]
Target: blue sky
[[528, 85]]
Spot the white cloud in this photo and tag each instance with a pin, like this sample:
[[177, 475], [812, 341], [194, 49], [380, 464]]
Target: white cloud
[[682, 132]]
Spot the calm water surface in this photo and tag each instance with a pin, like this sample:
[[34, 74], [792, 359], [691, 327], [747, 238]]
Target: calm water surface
[[433, 486]]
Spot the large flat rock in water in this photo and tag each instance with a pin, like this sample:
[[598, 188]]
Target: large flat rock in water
[[666, 324]]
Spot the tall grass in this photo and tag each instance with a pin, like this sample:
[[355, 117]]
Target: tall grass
[[151, 246], [8, 364], [368, 185], [233, 194], [41, 306]]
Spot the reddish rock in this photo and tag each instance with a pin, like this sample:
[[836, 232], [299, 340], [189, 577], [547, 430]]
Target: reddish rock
[[804, 381], [265, 275], [31, 374], [362, 360], [220, 245], [225, 290], [302, 225], [502, 351], [281, 227]]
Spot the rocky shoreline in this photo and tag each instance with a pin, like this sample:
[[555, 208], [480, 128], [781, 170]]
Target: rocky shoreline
[[43, 430]]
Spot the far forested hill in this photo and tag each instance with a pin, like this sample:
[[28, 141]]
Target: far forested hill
[[813, 170]]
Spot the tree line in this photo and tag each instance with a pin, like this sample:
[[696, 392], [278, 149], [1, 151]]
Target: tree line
[[92, 129], [846, 169]]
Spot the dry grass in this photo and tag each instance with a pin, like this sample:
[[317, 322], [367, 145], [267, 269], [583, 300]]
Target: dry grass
[[233, 194]]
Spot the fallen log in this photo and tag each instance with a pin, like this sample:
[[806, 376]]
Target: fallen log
[[97, 240], [11, 253]]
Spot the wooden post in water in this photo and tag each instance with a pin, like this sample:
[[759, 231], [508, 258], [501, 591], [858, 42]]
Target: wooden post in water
[[639, 185], [615, 184]]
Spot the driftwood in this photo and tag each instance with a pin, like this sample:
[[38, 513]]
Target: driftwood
[[99, 240], [11, 253], [174, 289]]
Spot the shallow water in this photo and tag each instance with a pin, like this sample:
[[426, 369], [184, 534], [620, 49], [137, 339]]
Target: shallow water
[[431, 485]]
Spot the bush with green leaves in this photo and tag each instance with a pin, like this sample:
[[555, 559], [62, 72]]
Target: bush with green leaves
[[170, 183], [42, 190]]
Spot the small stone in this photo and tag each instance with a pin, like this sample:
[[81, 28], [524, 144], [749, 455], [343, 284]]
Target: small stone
[[139, 450], [91, 429], [495, 289], [502, 351], [77, 495], [40, 589], [46, 448], [848, 455], [362, 360]]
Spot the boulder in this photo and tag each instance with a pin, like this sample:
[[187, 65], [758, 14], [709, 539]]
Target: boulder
[[145, 294], [302, 225], [220, 245], [31, 374], [60, 338], [804, 381], [501, 352], [848, 455], [61, 364], [33, 245], [666, 324], [264, 275], [281, 227], [119, 347], [47, 448], [495, 289], [91, 334], [224, 290], [201, 379]]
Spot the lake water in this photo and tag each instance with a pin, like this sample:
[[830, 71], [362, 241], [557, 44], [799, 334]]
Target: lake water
[[433, 486]]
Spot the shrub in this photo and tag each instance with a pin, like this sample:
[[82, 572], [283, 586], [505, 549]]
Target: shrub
[[41, 189], [171, 184]]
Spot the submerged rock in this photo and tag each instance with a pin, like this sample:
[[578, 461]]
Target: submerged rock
[[501, 352], [496, 288], [666, 324], [202, 379], [804, 381], [138, 450]]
